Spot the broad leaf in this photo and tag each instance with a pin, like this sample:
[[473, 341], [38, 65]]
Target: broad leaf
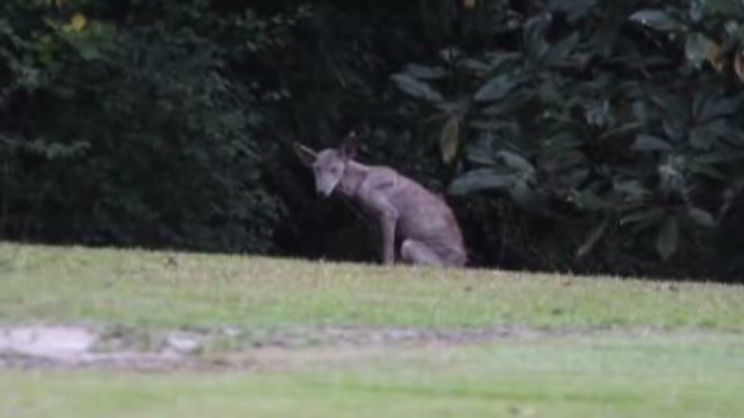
[[656, 19], [589, 200], [526, 196], [475, 65], [713, 108], [517, 100], [633, 189], [701, 217], [575, 9], [592, 240], [533, 37], [641, 216], [495, 89], [561, 51], [516, 161], [480, 152], [650, 143], [477, 180], [720, 7], [703, 137], [573, 177], [416, 88], [697, 48], [718, 157], [668, 239], [449, 139], [450, 54], [709, 171], [425, 73]]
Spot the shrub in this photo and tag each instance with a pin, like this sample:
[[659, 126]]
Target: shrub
[[137, 137], [616, 125]]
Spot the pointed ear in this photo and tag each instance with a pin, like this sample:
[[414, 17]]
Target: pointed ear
[[306, 155], [349, 147]]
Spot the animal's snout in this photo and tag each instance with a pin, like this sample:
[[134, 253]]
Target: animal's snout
[[326, 182], [323, 191]]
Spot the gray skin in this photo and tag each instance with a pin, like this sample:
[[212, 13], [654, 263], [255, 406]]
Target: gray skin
[[403, 208]]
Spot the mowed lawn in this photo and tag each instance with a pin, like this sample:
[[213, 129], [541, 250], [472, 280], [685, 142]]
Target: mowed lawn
[[169, 290], [630, 348]]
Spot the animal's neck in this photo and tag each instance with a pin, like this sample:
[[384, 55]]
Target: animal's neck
[[354, 175]]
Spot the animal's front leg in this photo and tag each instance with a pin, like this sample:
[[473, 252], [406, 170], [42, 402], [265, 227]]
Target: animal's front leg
[[374, 195], [387, 221]]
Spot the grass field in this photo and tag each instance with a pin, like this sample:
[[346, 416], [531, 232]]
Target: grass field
[[582, 346]]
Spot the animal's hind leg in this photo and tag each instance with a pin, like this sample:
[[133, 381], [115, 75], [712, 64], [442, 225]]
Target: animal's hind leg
[[416, 252]]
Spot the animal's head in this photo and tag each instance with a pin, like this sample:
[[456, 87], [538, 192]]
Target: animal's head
[[328, 165]]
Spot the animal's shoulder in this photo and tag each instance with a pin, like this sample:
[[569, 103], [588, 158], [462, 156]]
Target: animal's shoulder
[[381, 177], [382, 170]]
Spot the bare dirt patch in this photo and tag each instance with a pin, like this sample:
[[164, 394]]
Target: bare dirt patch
[[75, 347], [71, 346]]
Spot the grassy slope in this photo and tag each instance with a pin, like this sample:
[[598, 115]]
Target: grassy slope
[[678, 373], [163, 290]]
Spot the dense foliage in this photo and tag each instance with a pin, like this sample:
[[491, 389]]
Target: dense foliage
[[571, 135], [618, 123], [133, 136]]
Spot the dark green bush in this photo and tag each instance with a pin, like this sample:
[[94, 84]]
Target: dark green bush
[[610, 123], [137, 137]]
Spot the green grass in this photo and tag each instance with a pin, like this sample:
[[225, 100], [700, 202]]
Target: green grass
[[166, 290], [674, 350], [688, 375]]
